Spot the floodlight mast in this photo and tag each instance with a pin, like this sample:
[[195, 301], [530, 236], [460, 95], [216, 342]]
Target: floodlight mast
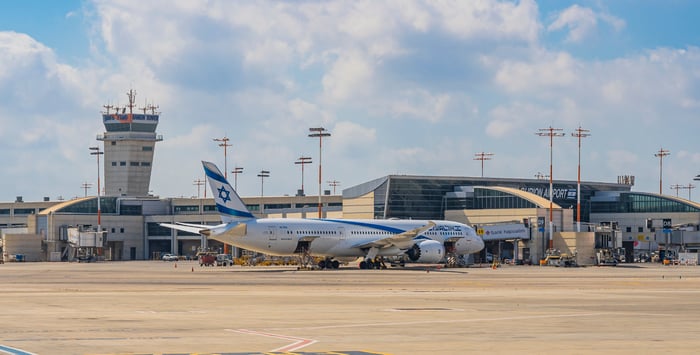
[[661, 154], [303, 161], [319, 132], [262, 175], [579, 133], [334, 184], [86, 185], [237, 170], [97, 152], [551, 133], [199, 183], [225, 145], [483, 156]]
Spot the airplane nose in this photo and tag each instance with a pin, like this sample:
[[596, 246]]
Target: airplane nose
[[479, 243]]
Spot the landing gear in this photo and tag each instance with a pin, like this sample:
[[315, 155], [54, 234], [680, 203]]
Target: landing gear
[[377, 263], [328, 263]]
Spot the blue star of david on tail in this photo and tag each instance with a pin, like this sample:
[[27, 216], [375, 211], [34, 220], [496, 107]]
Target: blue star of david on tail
[[224, 194]]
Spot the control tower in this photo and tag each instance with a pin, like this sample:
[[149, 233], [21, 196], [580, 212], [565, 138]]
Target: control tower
[[129, 142]]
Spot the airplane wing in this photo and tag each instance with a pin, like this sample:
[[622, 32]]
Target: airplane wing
[[186, 227], [401, 240], [211, 232]]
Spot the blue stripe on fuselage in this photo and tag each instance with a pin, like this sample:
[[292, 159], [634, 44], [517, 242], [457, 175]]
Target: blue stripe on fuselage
[[368, 225]]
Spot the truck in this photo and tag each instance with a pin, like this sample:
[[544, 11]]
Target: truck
[[206, 259], [224, 260]]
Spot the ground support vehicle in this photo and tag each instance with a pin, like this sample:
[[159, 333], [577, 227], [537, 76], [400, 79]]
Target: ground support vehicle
[[206, 259], [224, 260]]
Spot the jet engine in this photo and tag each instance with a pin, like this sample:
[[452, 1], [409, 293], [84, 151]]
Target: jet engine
[[428, 251]]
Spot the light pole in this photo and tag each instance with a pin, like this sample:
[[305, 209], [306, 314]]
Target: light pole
[[661, 154], [86, 186], [482, 156], [334, 183], [541, 176], [319, 132], [96, 151], [225, 145], [262, 175], [303, 161], [551, 133], [199, 183], [237, 170], [579, 133]]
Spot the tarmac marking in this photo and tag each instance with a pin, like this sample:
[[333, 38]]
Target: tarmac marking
[[499, 319], [13, 351], [296, 345]]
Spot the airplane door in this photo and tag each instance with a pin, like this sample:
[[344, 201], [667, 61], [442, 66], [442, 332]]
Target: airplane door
[[341, 233], [271, 236]]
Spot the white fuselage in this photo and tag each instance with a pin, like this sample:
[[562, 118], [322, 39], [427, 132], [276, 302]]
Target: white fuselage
[[341, 238]]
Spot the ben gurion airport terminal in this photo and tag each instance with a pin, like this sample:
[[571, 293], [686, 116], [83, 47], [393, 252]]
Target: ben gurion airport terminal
[[511, 214]]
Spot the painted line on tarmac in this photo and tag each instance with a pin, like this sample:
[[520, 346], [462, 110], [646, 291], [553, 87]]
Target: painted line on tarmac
[[13, 351], [498, 319], [298, 343]]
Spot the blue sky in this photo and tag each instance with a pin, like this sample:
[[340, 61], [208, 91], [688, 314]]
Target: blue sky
[[404, 87]]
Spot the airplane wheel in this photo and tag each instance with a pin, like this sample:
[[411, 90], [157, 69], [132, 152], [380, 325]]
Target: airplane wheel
[[370, 265], [322, 264], [363, 265], [335, 264]]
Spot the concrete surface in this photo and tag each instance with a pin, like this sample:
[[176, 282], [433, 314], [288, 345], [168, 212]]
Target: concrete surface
[[155, 307]]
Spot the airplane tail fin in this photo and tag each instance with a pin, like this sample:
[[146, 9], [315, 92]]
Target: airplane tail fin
[[228, 203]]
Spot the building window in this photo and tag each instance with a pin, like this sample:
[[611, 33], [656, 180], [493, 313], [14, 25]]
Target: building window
[[24, 211], [155, 229], [147, 149], [209, 208], [121, 230], [628, 229], [186, 209], [114, 142], [145, 163], [114, 163], [640, 229], [122, 163], [134, 163], [5, 211], [112, 230]]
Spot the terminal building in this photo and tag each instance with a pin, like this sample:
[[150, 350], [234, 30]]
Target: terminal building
[[129, 217]]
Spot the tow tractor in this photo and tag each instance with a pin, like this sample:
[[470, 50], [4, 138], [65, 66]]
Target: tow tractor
[[554, 257]]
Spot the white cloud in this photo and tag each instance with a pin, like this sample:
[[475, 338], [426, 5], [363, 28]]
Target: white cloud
[[421, 105], [582, 22], [491, 19], [350, 76], [544, 71], [381, 76]]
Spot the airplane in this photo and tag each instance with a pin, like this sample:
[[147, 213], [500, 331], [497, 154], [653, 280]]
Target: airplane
[[336, 240]]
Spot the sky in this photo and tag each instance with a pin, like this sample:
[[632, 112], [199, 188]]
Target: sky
[[404, 87]]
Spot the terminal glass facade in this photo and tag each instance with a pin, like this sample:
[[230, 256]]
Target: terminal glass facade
[[107, 205], [641, 203], [418, 197]]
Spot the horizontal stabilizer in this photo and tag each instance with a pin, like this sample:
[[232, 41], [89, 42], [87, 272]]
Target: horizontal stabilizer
[[230, 236], [192, 228]]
